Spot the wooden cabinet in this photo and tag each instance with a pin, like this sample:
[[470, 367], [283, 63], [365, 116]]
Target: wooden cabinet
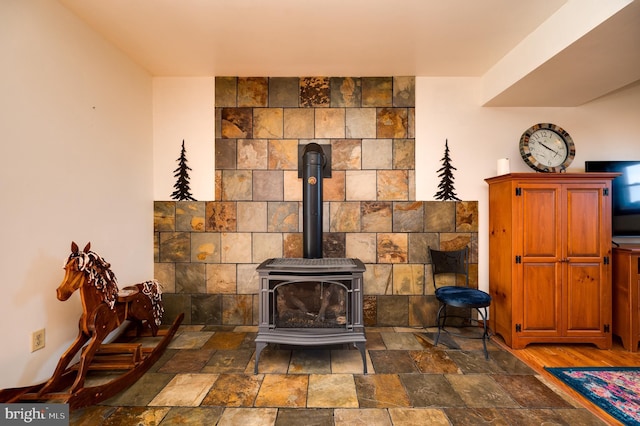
[[626, 303], [549, 258]]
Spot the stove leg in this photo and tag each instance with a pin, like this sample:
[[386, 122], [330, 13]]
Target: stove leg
[[360, 346], [259, 347]]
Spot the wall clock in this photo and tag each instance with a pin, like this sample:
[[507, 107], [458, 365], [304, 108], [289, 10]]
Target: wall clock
[[546, 147]]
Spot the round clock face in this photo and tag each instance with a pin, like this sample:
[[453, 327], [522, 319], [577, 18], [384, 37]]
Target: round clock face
[[546, 147]]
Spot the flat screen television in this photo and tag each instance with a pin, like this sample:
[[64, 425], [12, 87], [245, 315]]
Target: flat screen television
[[625, 195]]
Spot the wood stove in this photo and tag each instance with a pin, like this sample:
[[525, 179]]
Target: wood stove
[[311, 302]]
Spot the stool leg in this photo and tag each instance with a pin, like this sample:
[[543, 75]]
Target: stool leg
[[485, 333], [442, 306]]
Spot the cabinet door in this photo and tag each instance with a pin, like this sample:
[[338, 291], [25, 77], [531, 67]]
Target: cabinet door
[[586, 292], [537, 308]]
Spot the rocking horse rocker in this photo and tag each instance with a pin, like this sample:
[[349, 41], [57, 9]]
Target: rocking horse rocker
[[104, 309]]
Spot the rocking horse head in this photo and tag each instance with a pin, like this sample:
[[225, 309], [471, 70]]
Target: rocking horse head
[[86, 268]]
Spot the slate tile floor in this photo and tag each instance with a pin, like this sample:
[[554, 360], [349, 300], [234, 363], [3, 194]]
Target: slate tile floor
[[206, 377]]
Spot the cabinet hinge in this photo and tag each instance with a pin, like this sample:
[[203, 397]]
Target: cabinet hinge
[[606, 260], [605, 192], [518, 328], [518, 259], [606, 328], [518, 191]]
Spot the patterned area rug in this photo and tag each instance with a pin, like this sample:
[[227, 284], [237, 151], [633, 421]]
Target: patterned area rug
[[614, 389]]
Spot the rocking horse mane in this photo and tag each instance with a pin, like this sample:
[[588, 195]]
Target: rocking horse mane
[[153, 291], [98, 272]]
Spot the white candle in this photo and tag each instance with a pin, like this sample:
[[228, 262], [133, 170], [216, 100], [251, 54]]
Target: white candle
[[503, 166]]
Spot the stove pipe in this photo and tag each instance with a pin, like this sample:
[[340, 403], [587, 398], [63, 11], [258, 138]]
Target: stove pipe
[[313, 160]]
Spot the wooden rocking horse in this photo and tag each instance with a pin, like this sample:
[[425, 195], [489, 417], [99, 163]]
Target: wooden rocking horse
[[104, 308]]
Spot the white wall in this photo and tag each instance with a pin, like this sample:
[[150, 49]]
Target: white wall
[[75, 123], [183, 109], [448, 108]]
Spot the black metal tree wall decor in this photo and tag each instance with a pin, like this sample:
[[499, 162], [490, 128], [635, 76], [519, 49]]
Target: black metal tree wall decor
[[447, 191], [182, 192]]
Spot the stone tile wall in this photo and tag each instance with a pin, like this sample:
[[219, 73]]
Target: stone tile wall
[[207, 251]]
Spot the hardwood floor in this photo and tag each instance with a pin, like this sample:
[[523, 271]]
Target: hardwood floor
[[538, 356]]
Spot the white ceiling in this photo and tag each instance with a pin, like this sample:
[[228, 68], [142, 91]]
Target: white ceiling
[[368, 38]]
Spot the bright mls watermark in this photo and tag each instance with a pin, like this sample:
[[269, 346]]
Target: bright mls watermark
[[34, 414]]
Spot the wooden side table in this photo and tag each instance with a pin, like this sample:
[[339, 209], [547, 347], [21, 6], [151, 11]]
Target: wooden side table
[[626, 298]]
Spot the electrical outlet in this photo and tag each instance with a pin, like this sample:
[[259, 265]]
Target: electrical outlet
[[37, 340]]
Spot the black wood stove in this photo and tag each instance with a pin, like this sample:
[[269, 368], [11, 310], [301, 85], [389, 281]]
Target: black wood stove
[[311, 301]]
